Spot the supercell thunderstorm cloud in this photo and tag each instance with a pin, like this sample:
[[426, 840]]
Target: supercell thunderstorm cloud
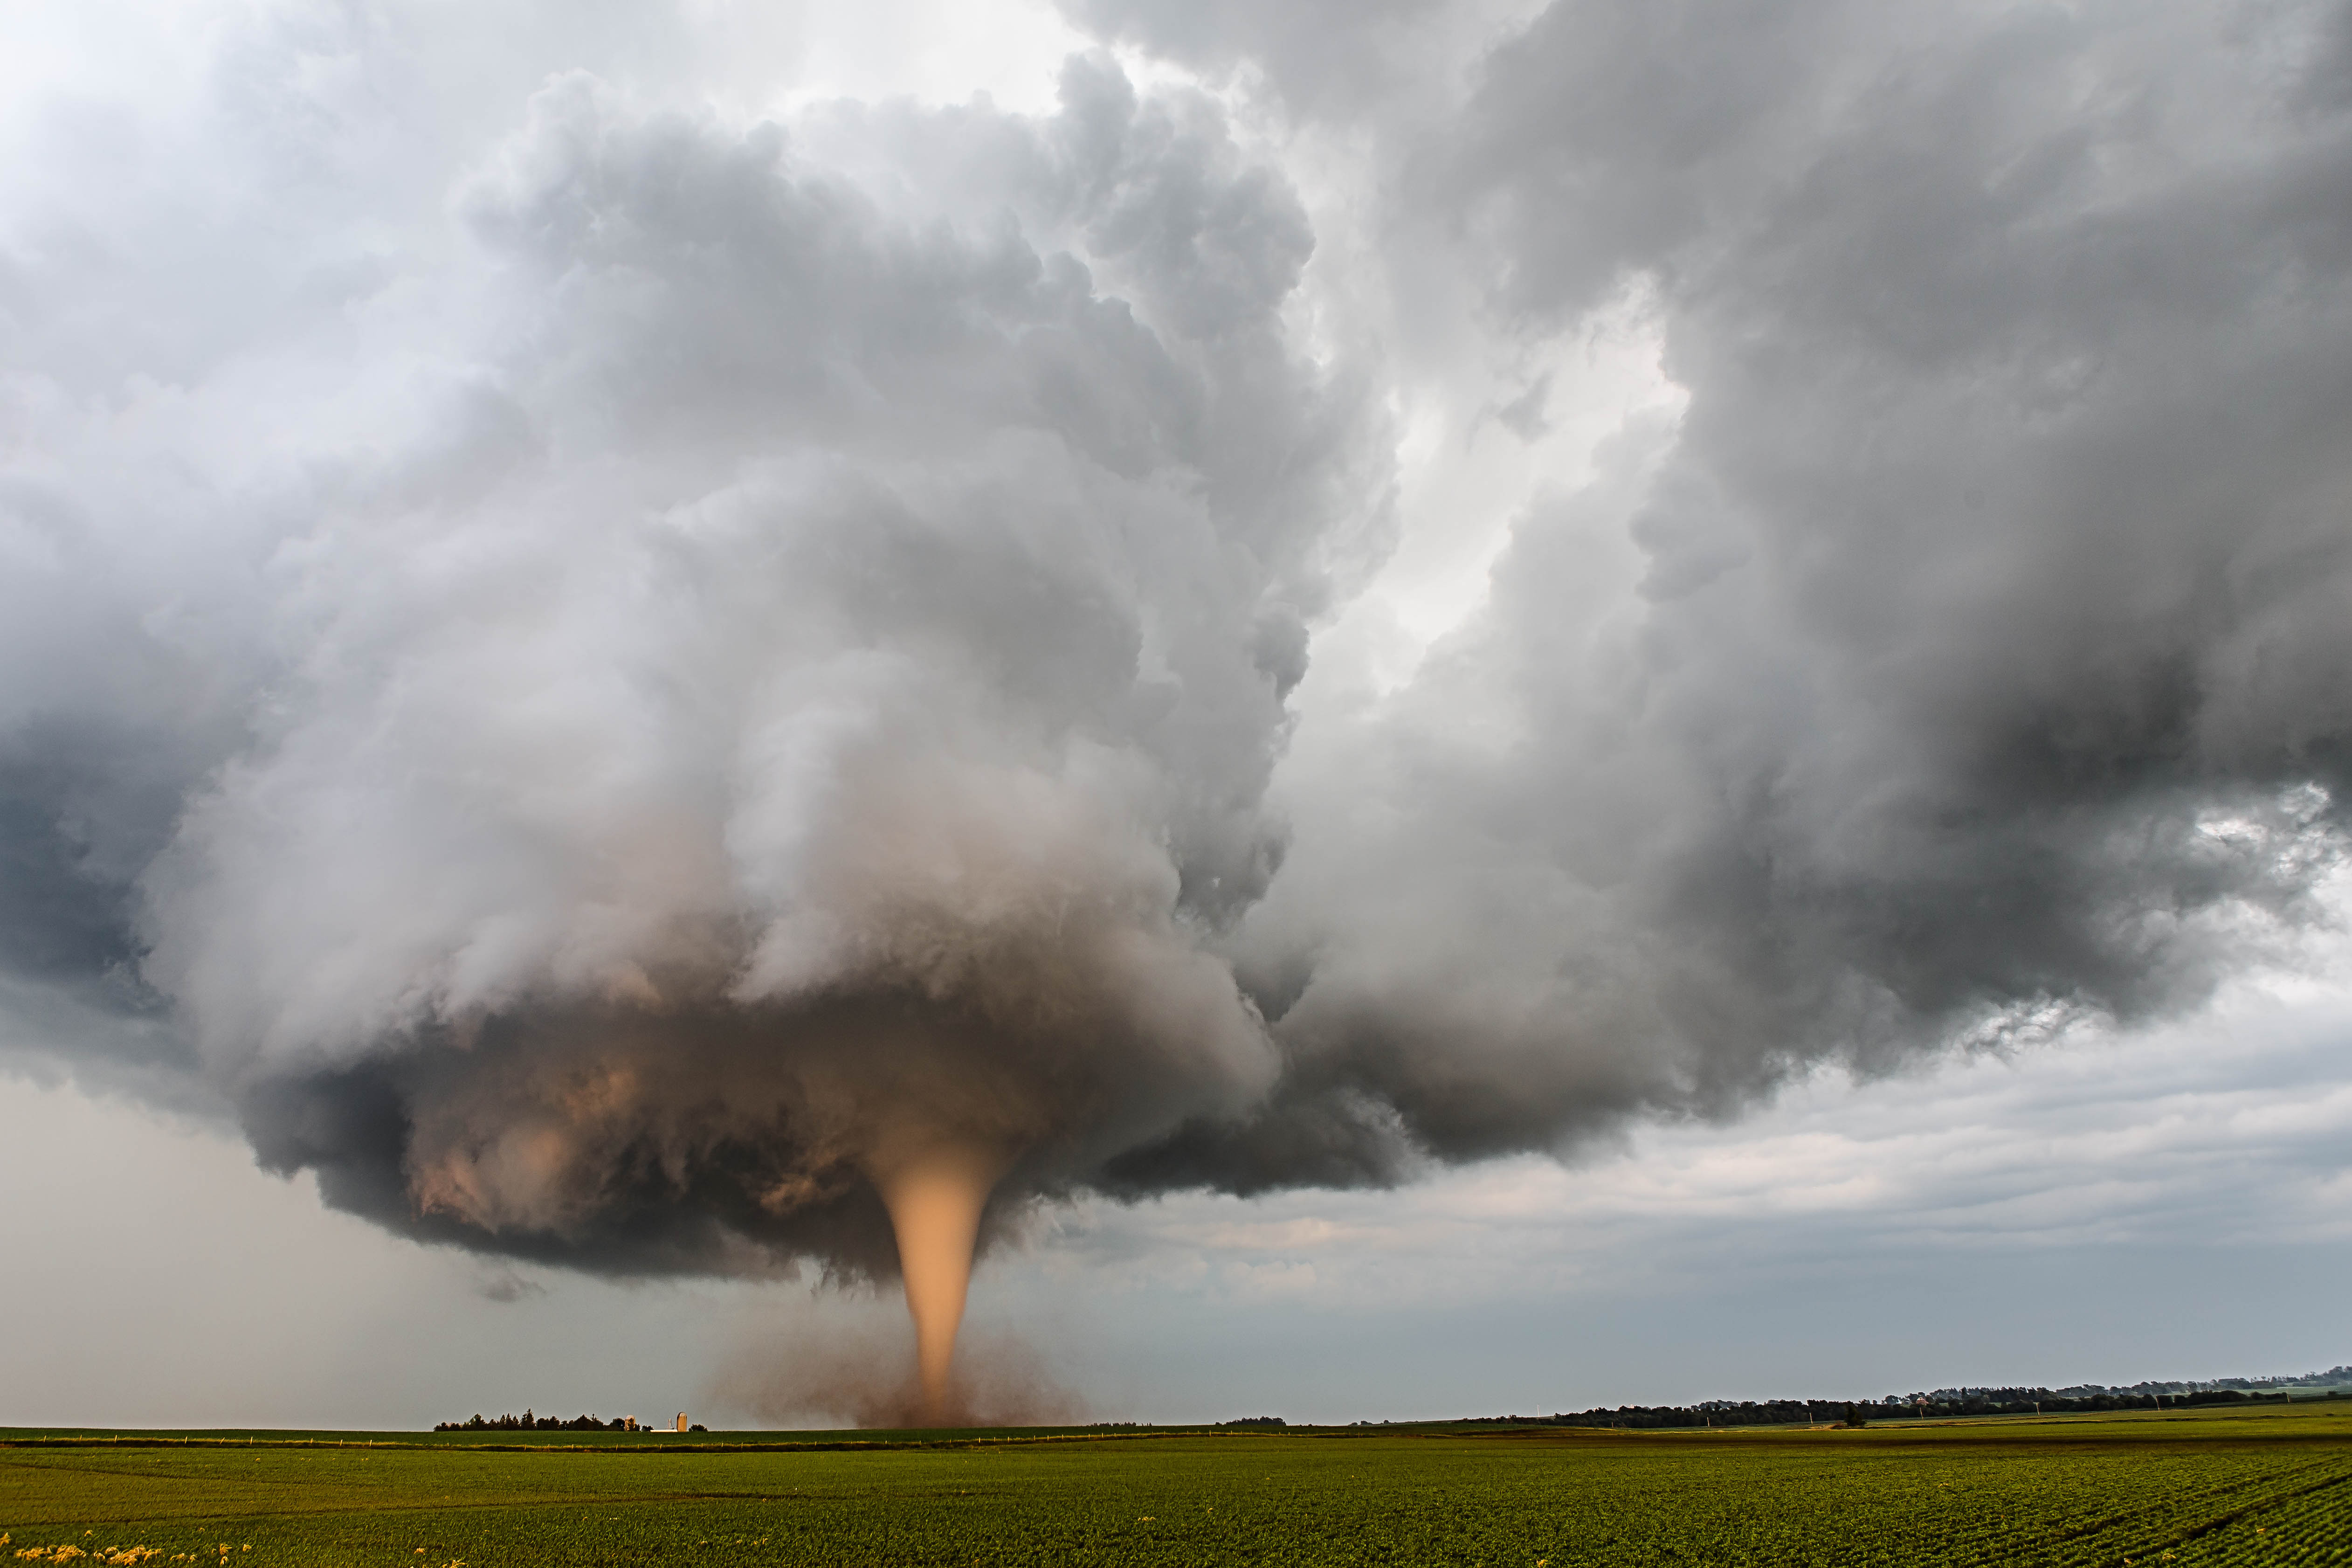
[[658, 688], [816, 699]]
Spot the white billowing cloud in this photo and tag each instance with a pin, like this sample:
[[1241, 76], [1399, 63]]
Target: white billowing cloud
[[738, 634]]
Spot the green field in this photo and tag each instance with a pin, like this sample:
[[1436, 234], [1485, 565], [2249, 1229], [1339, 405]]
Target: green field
[[2236, 1486]]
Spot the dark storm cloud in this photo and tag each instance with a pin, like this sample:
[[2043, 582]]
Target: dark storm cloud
[[1974, 655], [727, 647]]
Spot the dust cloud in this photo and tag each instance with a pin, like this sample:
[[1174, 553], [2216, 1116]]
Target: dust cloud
[[821, 1372]]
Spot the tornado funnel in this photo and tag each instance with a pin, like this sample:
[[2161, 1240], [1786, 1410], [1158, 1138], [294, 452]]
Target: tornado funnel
[[934, 1197]]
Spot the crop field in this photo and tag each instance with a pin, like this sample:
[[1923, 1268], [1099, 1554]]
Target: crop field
[[2272, 1486]]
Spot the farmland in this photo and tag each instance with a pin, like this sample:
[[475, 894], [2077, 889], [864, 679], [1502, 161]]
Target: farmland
[[2272, 1486]]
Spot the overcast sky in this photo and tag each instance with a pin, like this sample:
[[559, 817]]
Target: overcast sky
[[1526, 705]]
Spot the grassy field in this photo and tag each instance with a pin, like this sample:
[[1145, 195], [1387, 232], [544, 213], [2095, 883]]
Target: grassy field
[[2272, 1487]]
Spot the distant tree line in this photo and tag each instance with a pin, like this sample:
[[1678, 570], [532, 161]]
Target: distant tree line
[[2334, 1377], [1789, 1411], [526, 1422], [1255, 1421]]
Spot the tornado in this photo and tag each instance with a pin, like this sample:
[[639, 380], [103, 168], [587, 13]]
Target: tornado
[[935, 1192], [763, 711]]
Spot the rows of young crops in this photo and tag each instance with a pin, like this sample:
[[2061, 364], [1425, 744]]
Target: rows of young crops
[[2098, 1498], [2308, 1523]]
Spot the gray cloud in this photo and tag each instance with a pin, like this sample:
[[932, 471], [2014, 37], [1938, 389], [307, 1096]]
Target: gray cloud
[[699, 649], [1320, 54], [1970, 657]]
